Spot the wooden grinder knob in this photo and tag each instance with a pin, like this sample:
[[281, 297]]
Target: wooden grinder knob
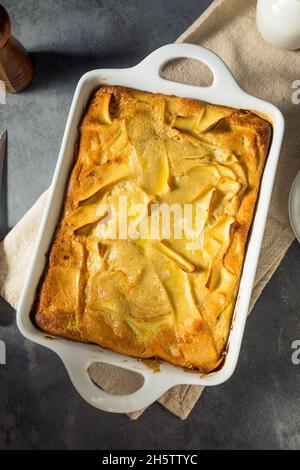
[[15, 64]]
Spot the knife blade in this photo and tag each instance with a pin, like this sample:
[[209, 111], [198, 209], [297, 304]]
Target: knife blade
[[3, 142], [3, 139]]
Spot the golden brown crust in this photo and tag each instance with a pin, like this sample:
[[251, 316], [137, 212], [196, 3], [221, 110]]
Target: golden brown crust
[[151, 298]]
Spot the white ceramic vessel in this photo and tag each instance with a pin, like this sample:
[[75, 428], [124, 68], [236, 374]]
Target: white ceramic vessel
[[77, 356], [279, 22]]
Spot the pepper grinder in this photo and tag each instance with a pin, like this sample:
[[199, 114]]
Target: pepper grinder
[[15, 63]]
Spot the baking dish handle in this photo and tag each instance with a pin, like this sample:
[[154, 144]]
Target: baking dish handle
[[77, 367], [153, 64]]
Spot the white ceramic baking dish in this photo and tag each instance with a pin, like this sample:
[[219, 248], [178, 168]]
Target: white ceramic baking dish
[[77, 356]]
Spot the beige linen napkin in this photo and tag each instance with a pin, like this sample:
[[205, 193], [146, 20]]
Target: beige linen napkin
[[227, 27]]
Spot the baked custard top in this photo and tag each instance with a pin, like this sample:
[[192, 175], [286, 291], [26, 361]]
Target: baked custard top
[[163, 295]]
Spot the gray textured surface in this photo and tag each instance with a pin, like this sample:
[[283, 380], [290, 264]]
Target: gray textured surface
[[39, 408]]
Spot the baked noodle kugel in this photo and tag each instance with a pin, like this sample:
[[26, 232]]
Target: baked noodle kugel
[[155, 298]]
